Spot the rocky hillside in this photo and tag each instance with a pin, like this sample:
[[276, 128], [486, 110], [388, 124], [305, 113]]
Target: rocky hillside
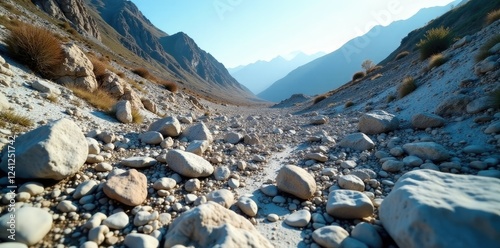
[[180, 60], [361, 167], [334, 69]]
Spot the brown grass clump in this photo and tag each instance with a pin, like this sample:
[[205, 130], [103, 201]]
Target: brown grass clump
[[143, 72], [390, 98], [358, 75], [136, 116], [406, 87], [402, 55], [319, 99], [436, 60], [378, 67], [16, 119], [99, 67], [36, 47], [436, 40], [492, 16], [349, 104], [100, 98], [169, 85]]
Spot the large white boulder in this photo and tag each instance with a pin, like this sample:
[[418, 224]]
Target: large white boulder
[[378, 121], [189, 164], [168, 126], [296, 181], [211, 225], [54, 151], [427, 208]]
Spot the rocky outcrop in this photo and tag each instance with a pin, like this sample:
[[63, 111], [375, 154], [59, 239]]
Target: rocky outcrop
[[211, 225], [77, 70], [448, 210], [55, 151], [72, 11]]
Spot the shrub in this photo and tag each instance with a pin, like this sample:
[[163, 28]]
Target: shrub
[[100, 98], [143, 72], [406, 87], [348, 104], [492, 16], [36, 47], [436, 40], [402, 55], [436, 60], [368, 65], [319, 99], [13, 118], [169, 85], [484, 51], [358, 75]]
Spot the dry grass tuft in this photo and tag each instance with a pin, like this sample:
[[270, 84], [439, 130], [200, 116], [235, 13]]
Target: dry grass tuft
[[169, 85], [319, 99], [36, 47], [376, 76], [436, 40], [406, 87], [492, 16], [100, 98], [348, 104], [53, 98], [99, 67], [16, 119], [358, 75], [136, 116], [436, 60], [402, 55], [144, 73]]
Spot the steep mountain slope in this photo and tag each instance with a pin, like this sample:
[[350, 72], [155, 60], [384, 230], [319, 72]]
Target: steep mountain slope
[[259, 75], [177, 55], [466, 19], [336, 68]]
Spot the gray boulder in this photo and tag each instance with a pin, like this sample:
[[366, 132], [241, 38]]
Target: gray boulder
[[198, 132], [296, 181], [449, 210], [425, 120], [54, 151], [168, 126], [189, 164], [455, 105], [427, 150], [378, 121], [357, 141], [124, 111]]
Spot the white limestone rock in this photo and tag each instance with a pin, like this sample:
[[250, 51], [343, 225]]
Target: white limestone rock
[[449, 210]]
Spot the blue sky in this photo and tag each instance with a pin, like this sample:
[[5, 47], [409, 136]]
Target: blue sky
[[239, 32]]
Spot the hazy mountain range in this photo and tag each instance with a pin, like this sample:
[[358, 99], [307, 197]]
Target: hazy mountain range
[[259, 75], [335, 69]]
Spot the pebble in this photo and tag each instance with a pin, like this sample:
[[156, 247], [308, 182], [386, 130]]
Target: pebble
[[192, 185], [117, 221], [392, 165], [85, 188], [349, 204], [351, 182], [348, 164], [103, 167], [165, 183], [138, 240], [33, 188], [247, 206], [138, 162], [366, 233], [272, 217], [298, 219], [269, 190], [222, 196], [330, 236], [66, 206]]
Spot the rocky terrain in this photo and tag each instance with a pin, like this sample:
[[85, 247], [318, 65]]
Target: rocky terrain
[[419, 171]]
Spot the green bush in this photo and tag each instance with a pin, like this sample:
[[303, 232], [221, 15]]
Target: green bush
[[35, 47], [358, 75], [406, 87], [436, 40]]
